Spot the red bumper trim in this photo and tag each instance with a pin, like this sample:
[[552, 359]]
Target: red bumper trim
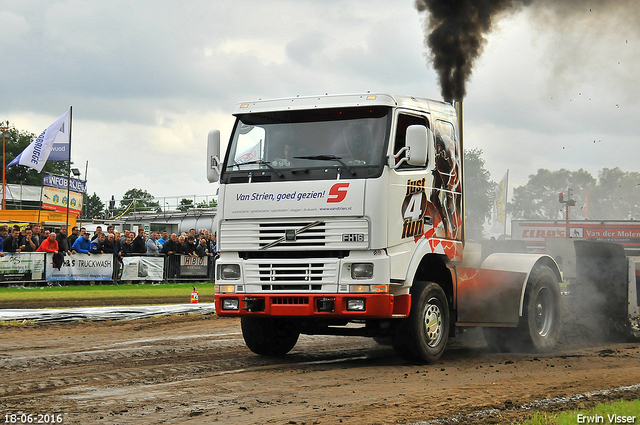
[[377, 306]]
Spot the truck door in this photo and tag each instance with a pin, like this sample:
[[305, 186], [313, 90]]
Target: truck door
[[408, 199]]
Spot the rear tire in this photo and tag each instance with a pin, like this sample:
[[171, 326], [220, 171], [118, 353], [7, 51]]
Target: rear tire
[[539, 327], [541, 316], [422, 337], [269, 336]]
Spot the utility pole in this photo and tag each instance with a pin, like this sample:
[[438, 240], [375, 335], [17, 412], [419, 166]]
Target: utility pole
[[568, 203]]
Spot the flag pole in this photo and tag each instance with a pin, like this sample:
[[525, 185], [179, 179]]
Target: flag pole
[[4, 177], [506, 196], [41, 196], [69, 168]]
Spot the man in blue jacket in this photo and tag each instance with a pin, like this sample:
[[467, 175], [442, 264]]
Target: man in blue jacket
[[82, 244]]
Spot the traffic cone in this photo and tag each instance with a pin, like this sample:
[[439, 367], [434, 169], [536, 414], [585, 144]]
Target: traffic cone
[[194, 296]]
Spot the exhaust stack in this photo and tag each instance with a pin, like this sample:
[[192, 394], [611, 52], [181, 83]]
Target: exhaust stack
[[460, 114]]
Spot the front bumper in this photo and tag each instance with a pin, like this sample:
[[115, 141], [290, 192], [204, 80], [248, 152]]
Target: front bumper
[[374, 306]]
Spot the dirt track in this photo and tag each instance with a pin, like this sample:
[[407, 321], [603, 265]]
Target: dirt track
[[196, 369]]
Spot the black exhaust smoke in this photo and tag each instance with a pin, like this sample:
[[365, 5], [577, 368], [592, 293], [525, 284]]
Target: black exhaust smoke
[[456, 30], [455, 34]]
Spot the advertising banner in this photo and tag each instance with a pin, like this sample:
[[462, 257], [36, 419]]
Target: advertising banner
[[27, 266], [143, 268], [295, 199], [534, 232], [193, 266], [81, 267], [61, 182], [54, 198]]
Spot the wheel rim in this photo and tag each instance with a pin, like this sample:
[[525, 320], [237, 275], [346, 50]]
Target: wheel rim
[[433, 322], [544, 315]]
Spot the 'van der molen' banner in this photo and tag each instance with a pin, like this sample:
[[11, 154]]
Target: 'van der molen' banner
[[54, 180]]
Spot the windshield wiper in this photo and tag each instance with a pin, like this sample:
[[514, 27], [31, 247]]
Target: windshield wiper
[[328, 158], [257, 161]]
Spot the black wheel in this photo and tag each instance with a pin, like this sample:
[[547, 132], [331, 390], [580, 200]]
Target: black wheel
[[423, 336], [269, 336], [540, 322]]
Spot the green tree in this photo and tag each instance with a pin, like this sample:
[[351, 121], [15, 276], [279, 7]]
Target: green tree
[[538, 199], [15, 143], [211, 204], [185, 204], [93, 207], [478, 192], [616, 197], [144, 202]]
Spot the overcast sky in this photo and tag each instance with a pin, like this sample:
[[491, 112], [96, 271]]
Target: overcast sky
[[147, 79]]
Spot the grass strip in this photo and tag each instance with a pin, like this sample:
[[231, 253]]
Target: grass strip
[[606, 413], [104, 291]]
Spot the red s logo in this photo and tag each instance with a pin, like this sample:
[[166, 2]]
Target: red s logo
[[338, 192]]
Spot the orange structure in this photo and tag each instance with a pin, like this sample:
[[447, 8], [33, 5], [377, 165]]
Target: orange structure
[[46, 219]]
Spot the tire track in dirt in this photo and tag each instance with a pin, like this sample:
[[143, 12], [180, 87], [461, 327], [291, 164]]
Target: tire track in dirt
[[195, 369]]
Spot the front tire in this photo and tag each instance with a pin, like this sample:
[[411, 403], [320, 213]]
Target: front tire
[[269, 336], [423, 336]]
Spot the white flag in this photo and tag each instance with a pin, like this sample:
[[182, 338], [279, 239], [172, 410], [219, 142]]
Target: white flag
[[60, 148], [499, 215], [37, 153]]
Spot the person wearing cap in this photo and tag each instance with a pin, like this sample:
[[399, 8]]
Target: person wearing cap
[[82, 245]]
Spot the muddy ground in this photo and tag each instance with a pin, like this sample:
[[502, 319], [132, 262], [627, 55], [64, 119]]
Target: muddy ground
[[195, 369]]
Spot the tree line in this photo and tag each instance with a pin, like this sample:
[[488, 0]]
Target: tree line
[[614, 195]]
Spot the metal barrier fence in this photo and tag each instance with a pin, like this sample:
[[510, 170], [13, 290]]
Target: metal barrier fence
[[39, 268]]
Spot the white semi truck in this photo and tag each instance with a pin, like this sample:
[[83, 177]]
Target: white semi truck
[[343, 215]]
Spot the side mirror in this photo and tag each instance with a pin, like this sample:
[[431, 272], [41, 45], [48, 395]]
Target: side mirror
[[418, 141], [213, 156]]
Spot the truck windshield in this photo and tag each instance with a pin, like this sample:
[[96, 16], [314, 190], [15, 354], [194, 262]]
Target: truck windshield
[[286, 142]]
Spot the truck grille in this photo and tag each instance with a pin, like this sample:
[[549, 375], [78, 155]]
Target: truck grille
[[285, 274], [334, 234]]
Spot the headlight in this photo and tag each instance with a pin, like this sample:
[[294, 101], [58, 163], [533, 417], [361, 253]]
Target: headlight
[[230, 304], [361, 271], [356, 305], [229, 271]]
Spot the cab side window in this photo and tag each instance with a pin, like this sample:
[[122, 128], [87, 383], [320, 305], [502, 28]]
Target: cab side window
[[404, 121]]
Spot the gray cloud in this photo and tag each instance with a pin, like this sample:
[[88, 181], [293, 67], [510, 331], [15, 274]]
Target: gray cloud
[[148, 79]]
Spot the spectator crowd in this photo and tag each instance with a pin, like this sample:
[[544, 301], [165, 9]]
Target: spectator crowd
[[34, 239]]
